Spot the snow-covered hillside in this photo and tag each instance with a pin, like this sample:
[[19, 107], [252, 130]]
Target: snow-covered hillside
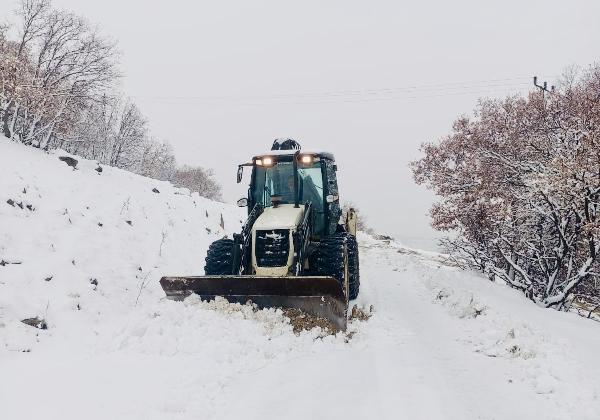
[[81, 248], [87, 255]]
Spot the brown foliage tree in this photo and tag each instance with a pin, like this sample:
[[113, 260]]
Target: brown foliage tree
[[520, 185]]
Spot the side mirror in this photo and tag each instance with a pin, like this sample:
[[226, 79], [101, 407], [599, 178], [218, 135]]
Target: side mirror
[[242, 202], [334, 168], [240, 173]]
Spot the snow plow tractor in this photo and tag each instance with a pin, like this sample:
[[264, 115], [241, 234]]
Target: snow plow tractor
[[293, 251]]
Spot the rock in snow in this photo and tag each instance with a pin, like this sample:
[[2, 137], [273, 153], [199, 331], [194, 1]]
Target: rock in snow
[[428, 341], [72, 162], [36, 322]]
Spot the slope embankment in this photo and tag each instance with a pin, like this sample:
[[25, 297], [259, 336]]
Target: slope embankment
[[83, 250]]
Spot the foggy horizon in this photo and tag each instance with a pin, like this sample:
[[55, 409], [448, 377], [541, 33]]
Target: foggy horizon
[[367, 82]]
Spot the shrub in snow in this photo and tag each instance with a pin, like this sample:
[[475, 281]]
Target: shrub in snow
[[198, 180]]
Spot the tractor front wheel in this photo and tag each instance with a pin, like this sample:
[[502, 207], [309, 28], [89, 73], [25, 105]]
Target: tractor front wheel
[[219, 258]]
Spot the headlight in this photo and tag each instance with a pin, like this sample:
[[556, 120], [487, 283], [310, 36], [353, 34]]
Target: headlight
[[306, 159], [259, 162], [267, 161]]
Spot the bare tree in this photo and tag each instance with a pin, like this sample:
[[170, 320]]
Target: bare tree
[[93, 134], [56, 80], [198, 179], [129, 138], [157, 160], [57, 65]]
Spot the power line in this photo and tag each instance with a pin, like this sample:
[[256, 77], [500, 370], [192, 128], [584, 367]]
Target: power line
[[363, 94], [389, 98]]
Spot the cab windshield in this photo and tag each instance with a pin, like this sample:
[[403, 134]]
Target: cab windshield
[[278, 180]]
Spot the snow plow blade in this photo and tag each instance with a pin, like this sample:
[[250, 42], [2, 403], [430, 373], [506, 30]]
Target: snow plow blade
[[319, 296]]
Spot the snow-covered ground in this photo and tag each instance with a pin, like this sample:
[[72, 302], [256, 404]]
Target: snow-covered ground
[[441, 344]]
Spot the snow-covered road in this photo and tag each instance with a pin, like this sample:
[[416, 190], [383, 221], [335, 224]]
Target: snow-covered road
[[442, 344], [419, 360]]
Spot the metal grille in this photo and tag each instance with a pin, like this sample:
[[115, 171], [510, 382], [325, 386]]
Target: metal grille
[[272, 247]]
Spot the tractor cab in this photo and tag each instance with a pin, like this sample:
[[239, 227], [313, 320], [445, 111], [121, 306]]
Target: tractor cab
[[294, 178]]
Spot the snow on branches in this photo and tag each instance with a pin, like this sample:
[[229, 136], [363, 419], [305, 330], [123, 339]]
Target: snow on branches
[[57, 82], [56, 65], [520, 184], [199, 180]]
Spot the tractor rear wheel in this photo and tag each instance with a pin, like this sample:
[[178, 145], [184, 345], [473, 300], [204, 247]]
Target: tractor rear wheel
[[354, 266], [337, 255], [219, 258]]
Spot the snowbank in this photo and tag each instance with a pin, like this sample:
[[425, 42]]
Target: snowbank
[[84, 250], [82, 247]]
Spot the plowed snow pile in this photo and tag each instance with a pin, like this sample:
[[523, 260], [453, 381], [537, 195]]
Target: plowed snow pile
[[84, 250]]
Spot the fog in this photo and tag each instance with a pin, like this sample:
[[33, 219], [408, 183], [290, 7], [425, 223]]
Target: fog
[[367, 81]]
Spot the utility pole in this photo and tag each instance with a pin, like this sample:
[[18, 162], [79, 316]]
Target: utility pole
[[543, 88]]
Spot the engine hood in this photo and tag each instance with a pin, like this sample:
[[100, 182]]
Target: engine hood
[[285, 216]]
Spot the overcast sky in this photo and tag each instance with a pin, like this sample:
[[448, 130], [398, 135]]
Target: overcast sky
[[366, 80]]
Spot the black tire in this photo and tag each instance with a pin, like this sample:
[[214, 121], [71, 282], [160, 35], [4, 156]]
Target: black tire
[[330, 256], [354, 266], [219, 258]]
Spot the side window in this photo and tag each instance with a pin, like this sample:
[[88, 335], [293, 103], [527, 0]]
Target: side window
[[311, 181], [334, 212]]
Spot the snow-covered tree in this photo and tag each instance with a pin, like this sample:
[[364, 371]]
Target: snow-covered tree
[[520, 185], [198, 179], [57, 64], [157, 160], [57, 82]]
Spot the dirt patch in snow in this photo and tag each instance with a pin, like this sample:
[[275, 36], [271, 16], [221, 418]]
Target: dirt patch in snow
[[361, 314], [272, 318], [301, 321]]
